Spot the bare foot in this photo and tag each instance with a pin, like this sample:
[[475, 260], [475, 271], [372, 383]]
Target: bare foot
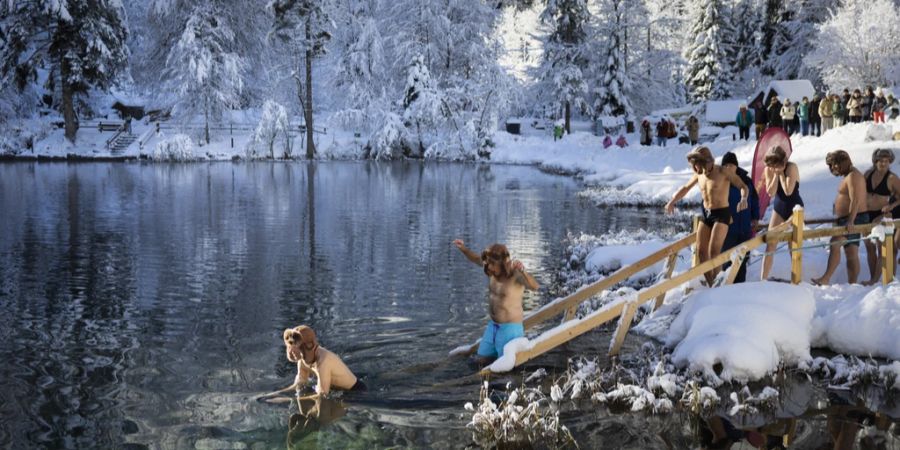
[[871, 282], [819, 281]]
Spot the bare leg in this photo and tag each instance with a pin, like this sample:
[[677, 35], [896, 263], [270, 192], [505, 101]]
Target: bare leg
[[703, 232], [770, 247], [716, 239], [834, 258], [873, 258], [852, 254]]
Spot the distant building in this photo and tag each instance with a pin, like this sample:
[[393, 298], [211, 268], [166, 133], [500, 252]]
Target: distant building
[[723, 112], [784, 89]]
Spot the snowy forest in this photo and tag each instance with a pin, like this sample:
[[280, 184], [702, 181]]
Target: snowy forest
[[425, 78]]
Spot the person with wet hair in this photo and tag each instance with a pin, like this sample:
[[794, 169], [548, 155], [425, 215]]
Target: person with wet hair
[[714, 183], [882, 186], [302, 348], [850, 208], [507, 281], [781, 181]]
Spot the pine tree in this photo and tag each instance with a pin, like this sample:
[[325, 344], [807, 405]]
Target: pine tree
[[708, 74], [611, 99], [564, 61], [83, 42], [303, 24], [422, 103], [801, 19], [203, 72]]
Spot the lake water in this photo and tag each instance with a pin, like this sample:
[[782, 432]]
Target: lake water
[[142, 305]]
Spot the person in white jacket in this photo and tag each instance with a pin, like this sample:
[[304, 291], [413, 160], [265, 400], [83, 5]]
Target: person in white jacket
[[788, 114]]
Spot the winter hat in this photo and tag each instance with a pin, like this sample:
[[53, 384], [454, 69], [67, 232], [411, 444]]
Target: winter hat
[[729, 158]]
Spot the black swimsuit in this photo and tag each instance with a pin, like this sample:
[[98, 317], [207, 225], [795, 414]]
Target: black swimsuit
[[784, 204], [721, 215], [882, 189]]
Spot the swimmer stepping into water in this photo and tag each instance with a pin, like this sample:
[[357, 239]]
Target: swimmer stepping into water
[[714, 183], [507, 281], [302, 348]]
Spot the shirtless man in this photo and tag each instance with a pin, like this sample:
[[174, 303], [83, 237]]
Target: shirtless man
[[302, 348], [714, 184], [507, 281], [850, 208]]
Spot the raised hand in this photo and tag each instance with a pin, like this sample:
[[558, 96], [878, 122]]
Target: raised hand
[[459, 243]]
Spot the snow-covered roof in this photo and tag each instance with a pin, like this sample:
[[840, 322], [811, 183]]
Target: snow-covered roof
[[720, 111], [790, 89], [611, 121]]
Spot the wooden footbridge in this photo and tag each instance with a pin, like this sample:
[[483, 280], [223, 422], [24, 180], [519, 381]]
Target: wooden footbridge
[[793, 232]]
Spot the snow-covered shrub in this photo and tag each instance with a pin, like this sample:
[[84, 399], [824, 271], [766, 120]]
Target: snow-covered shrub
[[271, 133], [179, 147], [878, 132], [388, 141], [527, 416]]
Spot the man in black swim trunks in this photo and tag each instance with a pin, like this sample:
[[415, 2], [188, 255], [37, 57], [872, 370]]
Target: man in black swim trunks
[[849, 207], [714, 183]]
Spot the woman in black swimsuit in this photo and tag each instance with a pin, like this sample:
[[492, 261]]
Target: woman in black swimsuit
[[881, 186], [782, 183]]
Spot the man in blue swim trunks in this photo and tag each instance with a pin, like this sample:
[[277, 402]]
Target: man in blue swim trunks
[[849, 207], [507, 281]]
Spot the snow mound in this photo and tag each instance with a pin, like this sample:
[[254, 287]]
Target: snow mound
[[177, 148], [879, 133], [748, 328], [859, 320], [609, 258]]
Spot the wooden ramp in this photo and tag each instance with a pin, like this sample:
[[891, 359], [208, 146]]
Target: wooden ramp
[[625, 309]]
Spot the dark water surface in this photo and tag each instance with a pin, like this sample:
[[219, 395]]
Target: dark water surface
[[143, 304]]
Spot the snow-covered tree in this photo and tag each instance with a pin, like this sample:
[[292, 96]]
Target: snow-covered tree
[[204, 74], [82, 42], [708, 74], [859, 45], [303, 25], [361, 75], [423, 106], [800, 20], [561, 73], [611, 98], [273, 128]]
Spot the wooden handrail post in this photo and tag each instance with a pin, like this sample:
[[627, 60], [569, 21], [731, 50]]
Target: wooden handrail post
[[887, 253], [796, 246], [696, 247], [624, 325], [670, 267]]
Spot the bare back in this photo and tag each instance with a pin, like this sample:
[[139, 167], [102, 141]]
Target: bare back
[[505, 301], [330, 370]]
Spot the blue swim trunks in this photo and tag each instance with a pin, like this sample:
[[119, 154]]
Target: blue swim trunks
[[496, 335]]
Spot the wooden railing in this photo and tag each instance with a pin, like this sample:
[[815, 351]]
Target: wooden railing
[[627, 307]]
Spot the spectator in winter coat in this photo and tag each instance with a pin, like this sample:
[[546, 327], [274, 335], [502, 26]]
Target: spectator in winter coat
[[826, 112], [662, 131], [607, 142], [693, 129], [788, 113], [855, 107], [743, 119], [774, 113], [838, 110], [761, 118], [879, 104], [845, 98], [621, 142], [803, 115], [815, 120], [646, 133], [868, 99], [893, 107], [744, 221]]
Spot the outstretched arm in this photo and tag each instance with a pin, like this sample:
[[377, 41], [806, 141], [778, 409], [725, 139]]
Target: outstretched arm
[[299, 380], [670, 207], [470, 255]]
